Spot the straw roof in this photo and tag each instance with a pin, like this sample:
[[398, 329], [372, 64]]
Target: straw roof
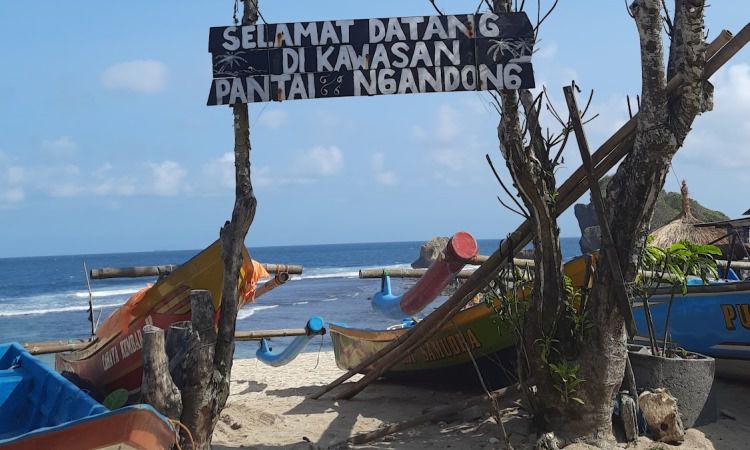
[[681, 228]]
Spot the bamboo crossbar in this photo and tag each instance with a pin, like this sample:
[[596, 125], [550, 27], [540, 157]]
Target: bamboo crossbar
[[399, 272], [153, 271], [47, 347], [604, 159], [257, 335]]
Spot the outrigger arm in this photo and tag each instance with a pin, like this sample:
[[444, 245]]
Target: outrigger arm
[[314, 327]]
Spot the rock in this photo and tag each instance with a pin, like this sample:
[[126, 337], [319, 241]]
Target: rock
[[586, 215], [591, 239], [494, 440], [659, 409], [548, 441], [430, 251], [472, 414], [629, 417]]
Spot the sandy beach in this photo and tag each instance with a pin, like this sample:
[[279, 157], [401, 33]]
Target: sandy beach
[[269, 409]]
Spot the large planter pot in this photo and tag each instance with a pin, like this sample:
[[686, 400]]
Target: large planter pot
[[687, 379]]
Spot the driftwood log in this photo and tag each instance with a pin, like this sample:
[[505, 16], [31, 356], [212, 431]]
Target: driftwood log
[[604, 159]]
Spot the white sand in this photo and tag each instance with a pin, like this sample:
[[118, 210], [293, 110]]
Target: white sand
[[269, 409]]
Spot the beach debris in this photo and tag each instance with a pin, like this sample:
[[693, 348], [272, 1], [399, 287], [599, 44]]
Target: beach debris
[[660, 411], [548, 441], [504, 395], [727, 414]]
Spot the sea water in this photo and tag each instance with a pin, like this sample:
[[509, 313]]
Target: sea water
[[46, 298]]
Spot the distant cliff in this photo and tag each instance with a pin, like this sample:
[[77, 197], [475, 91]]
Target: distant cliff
[[668, 207]]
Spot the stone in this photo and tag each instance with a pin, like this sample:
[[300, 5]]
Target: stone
[[660, 412], [591, 239], [629, 417], [472, 414], [430, 251]]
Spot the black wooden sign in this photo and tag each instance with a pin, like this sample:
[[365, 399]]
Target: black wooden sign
[[339, 58]]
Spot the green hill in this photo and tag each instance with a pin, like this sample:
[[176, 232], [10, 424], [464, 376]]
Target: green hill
[[669, 206]]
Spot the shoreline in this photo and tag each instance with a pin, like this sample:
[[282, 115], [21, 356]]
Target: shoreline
[[268, 408]]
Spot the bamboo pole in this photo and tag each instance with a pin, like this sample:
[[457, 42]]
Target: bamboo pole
[[399, 272], [613, 260], [47, 347], [268, 286], [152, 271], [44, 348], [605, 158], [257, 335]]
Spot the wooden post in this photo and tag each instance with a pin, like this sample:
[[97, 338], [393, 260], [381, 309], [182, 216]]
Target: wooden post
[[604, 159], [177, 346], [157, 387], [613, 259], [198, 370]]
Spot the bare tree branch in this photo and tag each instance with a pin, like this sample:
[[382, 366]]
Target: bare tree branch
[[507, 191], [436, 7]]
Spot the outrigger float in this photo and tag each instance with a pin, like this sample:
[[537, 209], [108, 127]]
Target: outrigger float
[[112, 359]]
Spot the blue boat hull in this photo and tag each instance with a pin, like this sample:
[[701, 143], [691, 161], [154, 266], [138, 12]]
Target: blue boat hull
[[712, 319], [39, 409]]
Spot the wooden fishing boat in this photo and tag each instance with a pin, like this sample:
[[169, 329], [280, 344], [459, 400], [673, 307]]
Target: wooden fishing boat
[[113, 360], [712, 319], [446, 358], [39, 409]]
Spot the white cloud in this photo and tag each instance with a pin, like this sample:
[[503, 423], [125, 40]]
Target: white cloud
[[167, 178], [143, 76], [382, 176], [320, 161], [272, 119], [15, 175], [719, 138], [449, 124], [65, 189], [62, 146], [220, 171], [12, 195]]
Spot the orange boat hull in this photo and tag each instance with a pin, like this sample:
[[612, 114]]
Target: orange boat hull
[[113, 361]]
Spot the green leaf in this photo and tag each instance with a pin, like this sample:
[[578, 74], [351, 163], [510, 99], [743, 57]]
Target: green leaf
[[116, 399]]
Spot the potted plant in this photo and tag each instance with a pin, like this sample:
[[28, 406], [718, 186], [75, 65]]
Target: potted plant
[[688, 376]]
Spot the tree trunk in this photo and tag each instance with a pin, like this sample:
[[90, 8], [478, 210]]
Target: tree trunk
[[204, 370], [157, 387], [599, 357]]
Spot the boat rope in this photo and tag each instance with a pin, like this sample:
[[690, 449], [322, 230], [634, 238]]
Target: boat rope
[[179, 424], [319, 349]]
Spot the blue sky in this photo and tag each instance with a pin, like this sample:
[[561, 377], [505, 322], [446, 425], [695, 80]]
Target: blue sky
[[106, 144]]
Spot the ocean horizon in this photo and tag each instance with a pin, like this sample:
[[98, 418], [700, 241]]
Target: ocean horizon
[[45, 298]]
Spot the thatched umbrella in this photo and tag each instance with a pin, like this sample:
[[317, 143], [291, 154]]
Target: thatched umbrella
[[681, 228]]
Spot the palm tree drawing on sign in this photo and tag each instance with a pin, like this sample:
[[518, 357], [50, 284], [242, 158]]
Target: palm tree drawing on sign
[[525, 47], [233, 64], [518, 49], [500, 46]]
